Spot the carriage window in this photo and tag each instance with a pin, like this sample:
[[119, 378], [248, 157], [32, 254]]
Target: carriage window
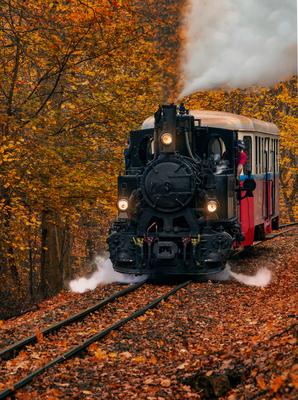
[[265, 165], [274, 152], [216, 148], [256, 153], [271, 155], [262, 155], [277, 155], [259, 155], [248, 150], [266, 155]]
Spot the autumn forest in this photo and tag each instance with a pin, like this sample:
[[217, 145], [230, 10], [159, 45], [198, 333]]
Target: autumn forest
[[75, 77]]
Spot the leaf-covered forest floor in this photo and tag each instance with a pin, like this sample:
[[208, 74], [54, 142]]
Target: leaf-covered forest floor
[[210, 340]]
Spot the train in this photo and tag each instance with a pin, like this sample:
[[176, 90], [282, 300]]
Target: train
[[183, 206]]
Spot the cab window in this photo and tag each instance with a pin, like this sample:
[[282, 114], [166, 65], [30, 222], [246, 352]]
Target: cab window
[[216, 148]]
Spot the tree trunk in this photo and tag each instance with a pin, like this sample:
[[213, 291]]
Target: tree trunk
[[55, 255]]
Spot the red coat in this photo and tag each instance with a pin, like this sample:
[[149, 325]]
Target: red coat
[[242, 158]]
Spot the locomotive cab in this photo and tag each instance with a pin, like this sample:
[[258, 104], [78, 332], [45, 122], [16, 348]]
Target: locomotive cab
[[179, 203]]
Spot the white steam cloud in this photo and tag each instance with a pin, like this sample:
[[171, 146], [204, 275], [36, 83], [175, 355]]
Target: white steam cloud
[[261, 279], [103, 275], [239, 43]]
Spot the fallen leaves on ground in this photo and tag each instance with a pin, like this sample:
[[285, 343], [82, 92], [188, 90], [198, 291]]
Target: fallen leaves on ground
[[210, 340]]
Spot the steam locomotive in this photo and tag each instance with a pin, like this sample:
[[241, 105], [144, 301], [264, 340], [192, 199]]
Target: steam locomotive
[[182, 206]]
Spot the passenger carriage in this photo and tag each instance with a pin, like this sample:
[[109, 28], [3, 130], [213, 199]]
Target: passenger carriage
[[258, 214]]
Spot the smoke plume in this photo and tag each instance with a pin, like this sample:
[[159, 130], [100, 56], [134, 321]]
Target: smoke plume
[[103, 275], [261, 279], [239, 43]]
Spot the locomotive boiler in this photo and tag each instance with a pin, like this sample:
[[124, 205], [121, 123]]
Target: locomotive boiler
[[179, 200]]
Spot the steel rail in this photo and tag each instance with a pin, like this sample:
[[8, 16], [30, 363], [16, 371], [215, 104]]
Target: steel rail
[[100, 335], [289, 224], [10, 351], [273, 236]]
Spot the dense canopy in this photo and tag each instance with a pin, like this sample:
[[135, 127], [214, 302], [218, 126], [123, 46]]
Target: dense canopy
[[75, 77]]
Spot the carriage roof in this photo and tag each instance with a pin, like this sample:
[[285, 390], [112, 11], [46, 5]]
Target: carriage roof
[[225, 120]]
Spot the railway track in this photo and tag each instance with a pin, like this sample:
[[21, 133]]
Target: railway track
[[12, 350], [74, 351], [290, 224]]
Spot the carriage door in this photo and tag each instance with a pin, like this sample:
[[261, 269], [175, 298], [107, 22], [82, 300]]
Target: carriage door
[[247, 202], [268, 186]]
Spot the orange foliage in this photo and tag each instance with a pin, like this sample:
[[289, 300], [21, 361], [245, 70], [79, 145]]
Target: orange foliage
[[75, 77]]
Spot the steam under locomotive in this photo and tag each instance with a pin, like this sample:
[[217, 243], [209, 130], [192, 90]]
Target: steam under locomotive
[[182, 207]]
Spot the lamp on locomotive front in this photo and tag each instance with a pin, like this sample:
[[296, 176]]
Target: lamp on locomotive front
[[165, 129]]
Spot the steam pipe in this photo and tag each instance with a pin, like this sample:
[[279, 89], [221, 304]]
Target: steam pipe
[[188, 147]]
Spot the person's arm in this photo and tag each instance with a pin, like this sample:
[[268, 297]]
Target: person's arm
[[241, 163]]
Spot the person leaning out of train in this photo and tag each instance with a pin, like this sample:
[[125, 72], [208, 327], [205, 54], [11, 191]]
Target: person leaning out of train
[[242, 157]]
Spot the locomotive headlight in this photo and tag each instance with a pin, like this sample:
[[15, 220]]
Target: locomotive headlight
[[122, 204], [166, 139], [212, 206]]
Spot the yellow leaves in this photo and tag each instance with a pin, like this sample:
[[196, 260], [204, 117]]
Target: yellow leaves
[[142, 318], [100, 354], [69, 106], [139, 359], [105, 356], [90, 73]]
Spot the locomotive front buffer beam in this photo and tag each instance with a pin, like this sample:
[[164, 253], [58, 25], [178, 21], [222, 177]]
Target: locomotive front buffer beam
[[166, 255]]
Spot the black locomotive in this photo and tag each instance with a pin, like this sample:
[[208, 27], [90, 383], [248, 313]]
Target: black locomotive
[[177, 208]]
